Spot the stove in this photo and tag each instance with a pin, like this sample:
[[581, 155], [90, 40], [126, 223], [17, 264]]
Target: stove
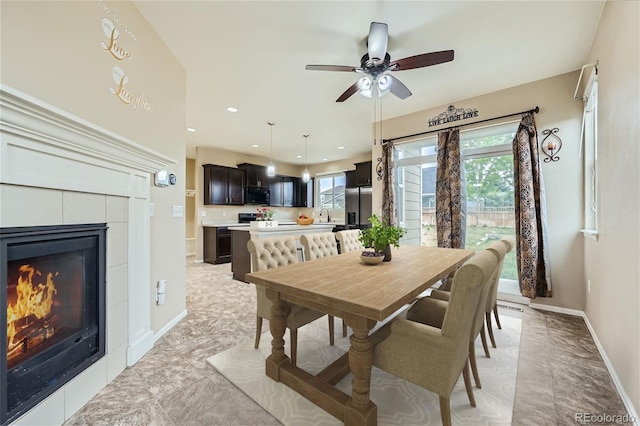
[[247, 217]]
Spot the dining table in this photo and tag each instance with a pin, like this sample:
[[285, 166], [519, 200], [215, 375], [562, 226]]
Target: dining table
[[363, 295]]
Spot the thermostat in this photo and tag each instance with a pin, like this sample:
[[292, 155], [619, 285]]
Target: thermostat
[[162, 178]]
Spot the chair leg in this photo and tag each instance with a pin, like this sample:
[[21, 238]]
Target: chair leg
[[293, 333], [495, 314], [445, 411], [344, 328], [490, 328], [331, 330], [258, 331], [467, 380], [483, 337], [474, 365]]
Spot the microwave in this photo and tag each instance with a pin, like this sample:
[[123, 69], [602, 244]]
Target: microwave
[[257, 195]]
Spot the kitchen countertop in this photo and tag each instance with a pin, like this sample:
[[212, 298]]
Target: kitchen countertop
[[286, 227]]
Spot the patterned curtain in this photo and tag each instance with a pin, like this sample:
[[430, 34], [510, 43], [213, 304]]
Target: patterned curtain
[[388, 201], [530, 211], [450, 191]]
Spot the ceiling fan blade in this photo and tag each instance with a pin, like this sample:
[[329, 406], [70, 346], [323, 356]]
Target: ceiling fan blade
[[347, 93], [423, 60], [377, 41], [330, 68], [399, 89]]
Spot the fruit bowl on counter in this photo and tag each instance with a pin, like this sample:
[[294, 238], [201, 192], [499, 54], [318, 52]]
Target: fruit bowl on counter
[[371, 257], [304, 220]]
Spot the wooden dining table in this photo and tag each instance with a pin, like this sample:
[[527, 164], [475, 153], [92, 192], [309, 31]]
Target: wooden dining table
[[361, 294]]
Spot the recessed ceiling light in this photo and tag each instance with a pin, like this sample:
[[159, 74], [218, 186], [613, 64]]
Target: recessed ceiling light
[[341, 147], [298, 156], [190, 129], [255, 145], [325, 159], [232, 109]]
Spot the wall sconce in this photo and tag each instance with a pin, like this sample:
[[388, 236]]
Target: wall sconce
[[551, 144]]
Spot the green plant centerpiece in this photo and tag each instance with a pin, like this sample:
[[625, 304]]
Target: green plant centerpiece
[[381, 236]]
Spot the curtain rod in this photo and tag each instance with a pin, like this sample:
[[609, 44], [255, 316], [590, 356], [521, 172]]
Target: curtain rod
[[534, 110]]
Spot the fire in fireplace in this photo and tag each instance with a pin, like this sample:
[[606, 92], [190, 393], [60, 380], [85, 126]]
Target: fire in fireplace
[[53, 287]]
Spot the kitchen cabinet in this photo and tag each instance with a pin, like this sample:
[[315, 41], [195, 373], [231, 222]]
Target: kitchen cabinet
[[254, 175], [282, 191], [217, 244], [223, 185], [363, 173], [351, 179], [304, 193]]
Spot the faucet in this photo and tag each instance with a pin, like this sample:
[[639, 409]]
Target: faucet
[[328, 217]]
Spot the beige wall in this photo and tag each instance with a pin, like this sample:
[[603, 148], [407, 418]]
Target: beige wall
[[52, 51], [612, 262], [563, 179]]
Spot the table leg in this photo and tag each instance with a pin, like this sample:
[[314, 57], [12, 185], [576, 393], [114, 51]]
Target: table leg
[[278, 326], [359, 410]]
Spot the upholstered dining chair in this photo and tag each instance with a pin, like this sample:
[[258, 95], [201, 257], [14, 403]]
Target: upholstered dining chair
[[433, 357], [499, 250], [317, 246], [268, 254], [492, 300], [349, 240]]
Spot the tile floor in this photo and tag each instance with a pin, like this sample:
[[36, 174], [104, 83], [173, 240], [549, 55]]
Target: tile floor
[[560, 372]]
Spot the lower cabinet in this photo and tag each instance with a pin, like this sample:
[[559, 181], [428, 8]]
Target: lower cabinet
[[217, 245]]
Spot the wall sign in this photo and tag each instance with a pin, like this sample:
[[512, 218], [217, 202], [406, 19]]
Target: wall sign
[[453, 114]]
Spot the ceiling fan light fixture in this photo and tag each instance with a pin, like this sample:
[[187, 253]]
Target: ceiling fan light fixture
[[384, 82], [365, 83]]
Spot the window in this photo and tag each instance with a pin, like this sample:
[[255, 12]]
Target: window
[[331, 192], [488, 162], [589, 149]]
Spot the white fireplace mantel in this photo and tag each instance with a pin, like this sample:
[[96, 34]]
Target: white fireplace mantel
[[43, 146]]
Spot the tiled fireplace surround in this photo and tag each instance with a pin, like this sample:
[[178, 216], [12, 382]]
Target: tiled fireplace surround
[[57, 169]]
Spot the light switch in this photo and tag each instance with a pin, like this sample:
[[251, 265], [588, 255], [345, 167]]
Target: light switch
[[203, 213], [178, 211], [152, 209]]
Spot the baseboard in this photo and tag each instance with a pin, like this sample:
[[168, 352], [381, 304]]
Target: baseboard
[[616, 380], [170, 325]]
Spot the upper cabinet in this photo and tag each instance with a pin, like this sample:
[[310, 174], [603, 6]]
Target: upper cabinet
[[255, 175], [363, 173], [282, 191], [303, 193], [223, 185], [351, 179]]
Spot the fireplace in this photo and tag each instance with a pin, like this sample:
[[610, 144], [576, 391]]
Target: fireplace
[[52, 300]]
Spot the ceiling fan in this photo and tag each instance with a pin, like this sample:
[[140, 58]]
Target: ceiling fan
[[376, 65]]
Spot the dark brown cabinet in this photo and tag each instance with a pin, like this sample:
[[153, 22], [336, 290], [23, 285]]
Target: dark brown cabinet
[[217, 244], [363, 174], [254, 175], [282, 191], [351, 179], [303, 193], [223, 185]]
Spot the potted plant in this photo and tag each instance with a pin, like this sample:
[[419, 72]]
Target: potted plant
[[381, 236]]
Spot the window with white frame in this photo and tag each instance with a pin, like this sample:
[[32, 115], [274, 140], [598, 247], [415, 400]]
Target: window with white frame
[[330, 192], [590, 154]]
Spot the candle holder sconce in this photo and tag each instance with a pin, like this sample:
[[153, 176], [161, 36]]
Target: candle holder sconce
[[551, 144], [379, 168]]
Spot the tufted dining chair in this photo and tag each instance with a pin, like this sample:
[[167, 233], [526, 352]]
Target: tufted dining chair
[[317, 246], [437, 297], [434, 357], [492, 300], [268, 254], [349, 241]]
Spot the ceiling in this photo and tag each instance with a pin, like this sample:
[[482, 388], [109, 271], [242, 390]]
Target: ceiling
[[252, 56]]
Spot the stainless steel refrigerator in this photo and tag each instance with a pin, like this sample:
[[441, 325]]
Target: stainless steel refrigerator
[[358, 206]]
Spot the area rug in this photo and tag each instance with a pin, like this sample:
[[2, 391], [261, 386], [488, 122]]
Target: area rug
[[399, 402]]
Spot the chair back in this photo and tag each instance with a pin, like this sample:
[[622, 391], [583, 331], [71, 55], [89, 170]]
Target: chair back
[[349, 241], [272, 252], [317, 246], [499, 250], [509, 241], [466, 289]]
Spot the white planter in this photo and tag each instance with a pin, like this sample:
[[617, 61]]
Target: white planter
[[264, 224]]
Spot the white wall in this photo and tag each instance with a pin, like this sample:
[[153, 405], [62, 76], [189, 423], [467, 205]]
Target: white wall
[[612, 263], [52, 51]]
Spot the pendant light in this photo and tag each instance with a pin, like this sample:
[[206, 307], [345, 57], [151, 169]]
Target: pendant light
[[305, 174], [271, 168]]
